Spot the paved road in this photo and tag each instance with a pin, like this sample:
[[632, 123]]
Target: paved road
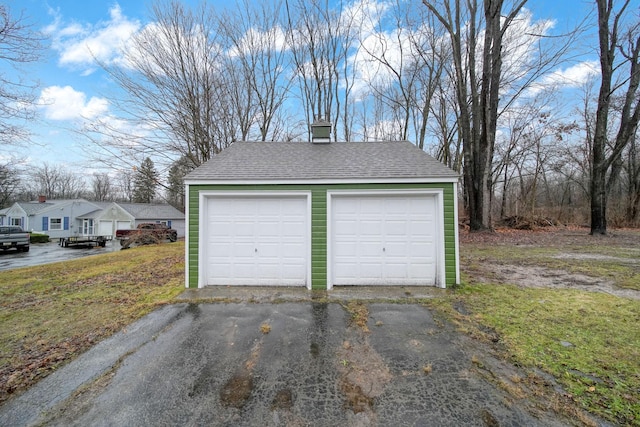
[[294, 364], [46, 253]]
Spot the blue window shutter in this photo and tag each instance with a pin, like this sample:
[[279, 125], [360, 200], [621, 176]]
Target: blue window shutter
[[169, 223], [45, 223], [66, 222]]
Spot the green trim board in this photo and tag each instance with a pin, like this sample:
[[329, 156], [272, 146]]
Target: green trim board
[[318, 271]]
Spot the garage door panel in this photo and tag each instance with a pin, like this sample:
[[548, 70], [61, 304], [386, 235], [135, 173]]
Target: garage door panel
[[219, 227], [292, 270], [368, 227], [396, 271], [370, 269], [292, 252], [396, 228], [241, 229], [294, 230], [257, 240], [105, 228], [384, 239], [243, 252], [345, 249], [369, 249]]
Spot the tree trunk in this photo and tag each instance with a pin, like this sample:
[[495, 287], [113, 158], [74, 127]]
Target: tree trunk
[[598, 202], [608, 33]]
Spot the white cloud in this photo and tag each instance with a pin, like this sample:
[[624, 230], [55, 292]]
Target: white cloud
[[66, 103], [364, 16], [574, 76], [273, 39], [80, 45]]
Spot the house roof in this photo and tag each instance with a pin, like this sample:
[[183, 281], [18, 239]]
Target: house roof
[[37, 208], [142, 211], [32, 208], [92, 214], [304, 161]]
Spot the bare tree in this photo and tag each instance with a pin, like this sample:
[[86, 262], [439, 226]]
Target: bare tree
[[102, 189], [482, 34], [19, 44], [255, 39], [619, 76], [411, 60], [444, 124], [633, 190], [9, 183], [319, 39], [124, 185], [477, 91], [55, 182], [175, 94]]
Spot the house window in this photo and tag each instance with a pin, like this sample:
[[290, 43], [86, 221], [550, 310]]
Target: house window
[[87, 227], [16, 221], [55, 223]]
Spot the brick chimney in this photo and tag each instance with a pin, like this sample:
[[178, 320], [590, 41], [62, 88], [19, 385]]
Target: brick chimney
[[42, 199]]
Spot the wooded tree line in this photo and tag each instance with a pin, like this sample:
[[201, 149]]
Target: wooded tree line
[[141, 184], [473, 82]]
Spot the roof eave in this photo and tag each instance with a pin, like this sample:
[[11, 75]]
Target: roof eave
[[423, 180]]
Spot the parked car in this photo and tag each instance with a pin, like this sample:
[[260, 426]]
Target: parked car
[[146, 233], [12, 236]]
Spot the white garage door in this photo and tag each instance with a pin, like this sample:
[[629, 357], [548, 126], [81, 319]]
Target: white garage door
[[105, 228], [384, 240], [256, 241], [123, 225]]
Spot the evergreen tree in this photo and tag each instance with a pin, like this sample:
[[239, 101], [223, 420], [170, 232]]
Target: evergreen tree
[[175, 191], [145, 182]]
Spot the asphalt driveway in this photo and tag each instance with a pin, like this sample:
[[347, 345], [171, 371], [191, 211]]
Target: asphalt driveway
[[46, 253], [276, 364]]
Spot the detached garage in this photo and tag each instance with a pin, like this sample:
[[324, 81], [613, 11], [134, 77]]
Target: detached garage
[[321, 215]]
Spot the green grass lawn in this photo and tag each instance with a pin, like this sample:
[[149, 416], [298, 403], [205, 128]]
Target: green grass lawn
[[51, 313], [589, 341]]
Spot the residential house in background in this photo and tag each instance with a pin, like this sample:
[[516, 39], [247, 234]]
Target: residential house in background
[[79, 217]]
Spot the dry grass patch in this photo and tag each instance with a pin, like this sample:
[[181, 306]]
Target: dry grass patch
[[52, 313], [359, 314]]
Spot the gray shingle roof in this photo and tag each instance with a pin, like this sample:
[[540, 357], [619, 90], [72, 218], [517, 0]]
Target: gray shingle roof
[[304, 161], [142, 211], [32, 208]]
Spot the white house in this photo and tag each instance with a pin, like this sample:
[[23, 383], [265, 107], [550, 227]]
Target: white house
[[79, 217]]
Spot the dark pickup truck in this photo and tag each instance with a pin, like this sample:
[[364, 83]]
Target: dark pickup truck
[[146, 233], [12, 236]]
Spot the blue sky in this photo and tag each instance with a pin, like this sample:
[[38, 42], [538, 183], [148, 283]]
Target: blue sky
[[73, 88]]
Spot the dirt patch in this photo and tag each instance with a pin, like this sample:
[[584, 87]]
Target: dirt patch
[[540, 277], [363, 372], [283, 400], [575, 244], [237, 390]]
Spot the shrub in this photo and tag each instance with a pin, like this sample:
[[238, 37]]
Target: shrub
[[39, 238]]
